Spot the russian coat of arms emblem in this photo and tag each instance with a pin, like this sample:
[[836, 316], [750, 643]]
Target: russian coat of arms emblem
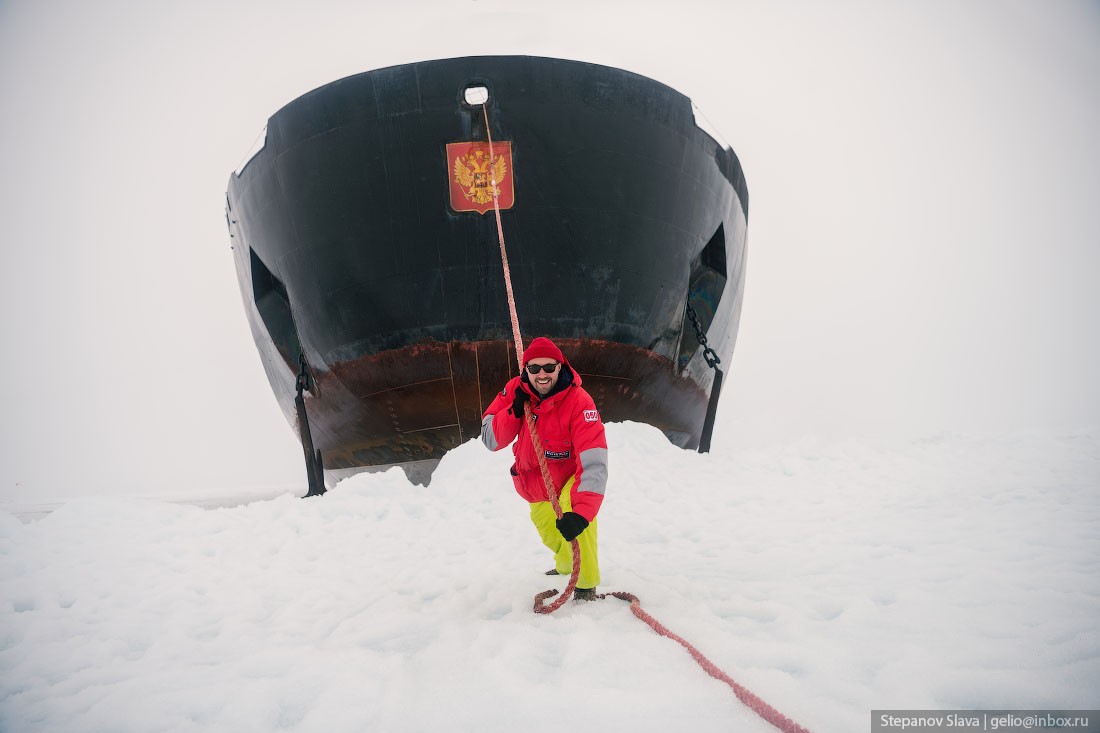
[[479, 175]]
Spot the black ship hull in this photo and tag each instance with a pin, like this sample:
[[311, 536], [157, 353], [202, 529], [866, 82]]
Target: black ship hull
[[353, 259]]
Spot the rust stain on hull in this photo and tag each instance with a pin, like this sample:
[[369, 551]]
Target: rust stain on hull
[[417, 403]]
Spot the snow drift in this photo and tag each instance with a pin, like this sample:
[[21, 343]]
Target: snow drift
[[830, 579]]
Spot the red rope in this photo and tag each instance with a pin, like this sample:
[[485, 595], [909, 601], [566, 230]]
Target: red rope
[[758, 706], [503, 252], [761, 708], [544, 469]]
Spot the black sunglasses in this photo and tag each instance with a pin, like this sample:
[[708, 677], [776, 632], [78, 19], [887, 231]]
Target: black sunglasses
[[536, 368]]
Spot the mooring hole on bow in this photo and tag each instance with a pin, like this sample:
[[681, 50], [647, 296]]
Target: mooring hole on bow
[[476, 95]]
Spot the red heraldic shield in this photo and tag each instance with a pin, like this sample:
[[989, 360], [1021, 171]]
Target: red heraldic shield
[[472, 171]]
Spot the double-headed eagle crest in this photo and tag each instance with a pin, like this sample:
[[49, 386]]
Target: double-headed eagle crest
[[479, 175], [476, 173]]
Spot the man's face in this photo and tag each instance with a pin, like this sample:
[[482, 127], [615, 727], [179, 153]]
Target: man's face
[[542, 381]]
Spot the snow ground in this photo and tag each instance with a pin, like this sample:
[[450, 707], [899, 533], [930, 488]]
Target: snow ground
[[828, 578]]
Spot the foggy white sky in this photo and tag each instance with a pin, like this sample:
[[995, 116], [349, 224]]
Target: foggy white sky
[[923, 226]]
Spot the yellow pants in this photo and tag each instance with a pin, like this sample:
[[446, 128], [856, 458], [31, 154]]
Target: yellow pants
[[542, 514]]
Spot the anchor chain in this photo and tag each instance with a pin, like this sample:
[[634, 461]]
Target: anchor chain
[[709, 354], [712, 359], [301, 383]]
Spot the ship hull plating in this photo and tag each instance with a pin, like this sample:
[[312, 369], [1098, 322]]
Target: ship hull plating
[[351, 254]]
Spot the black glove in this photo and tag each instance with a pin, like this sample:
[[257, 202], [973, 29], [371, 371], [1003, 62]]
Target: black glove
[[570, 525], [518, 400]]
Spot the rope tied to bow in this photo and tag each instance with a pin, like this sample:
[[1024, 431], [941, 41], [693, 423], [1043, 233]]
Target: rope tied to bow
[[529, 417]]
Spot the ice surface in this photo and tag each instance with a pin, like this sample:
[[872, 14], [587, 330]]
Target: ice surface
[[829, 579]]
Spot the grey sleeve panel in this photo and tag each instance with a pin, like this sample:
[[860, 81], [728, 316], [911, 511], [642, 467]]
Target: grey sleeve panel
[[488, 437], [594, 470]]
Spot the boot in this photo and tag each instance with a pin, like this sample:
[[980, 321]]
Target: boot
[[584, 594]]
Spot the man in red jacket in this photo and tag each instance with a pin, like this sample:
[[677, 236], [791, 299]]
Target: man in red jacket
[[575, 449]]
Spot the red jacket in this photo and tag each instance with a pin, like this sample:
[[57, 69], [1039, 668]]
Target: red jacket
[[572, 437]]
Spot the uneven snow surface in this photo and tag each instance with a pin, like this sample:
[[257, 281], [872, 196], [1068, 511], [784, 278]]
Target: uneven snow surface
[[829, 579]]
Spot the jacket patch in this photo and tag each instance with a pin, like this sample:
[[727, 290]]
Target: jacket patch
[[591, 416], [557, 455]]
